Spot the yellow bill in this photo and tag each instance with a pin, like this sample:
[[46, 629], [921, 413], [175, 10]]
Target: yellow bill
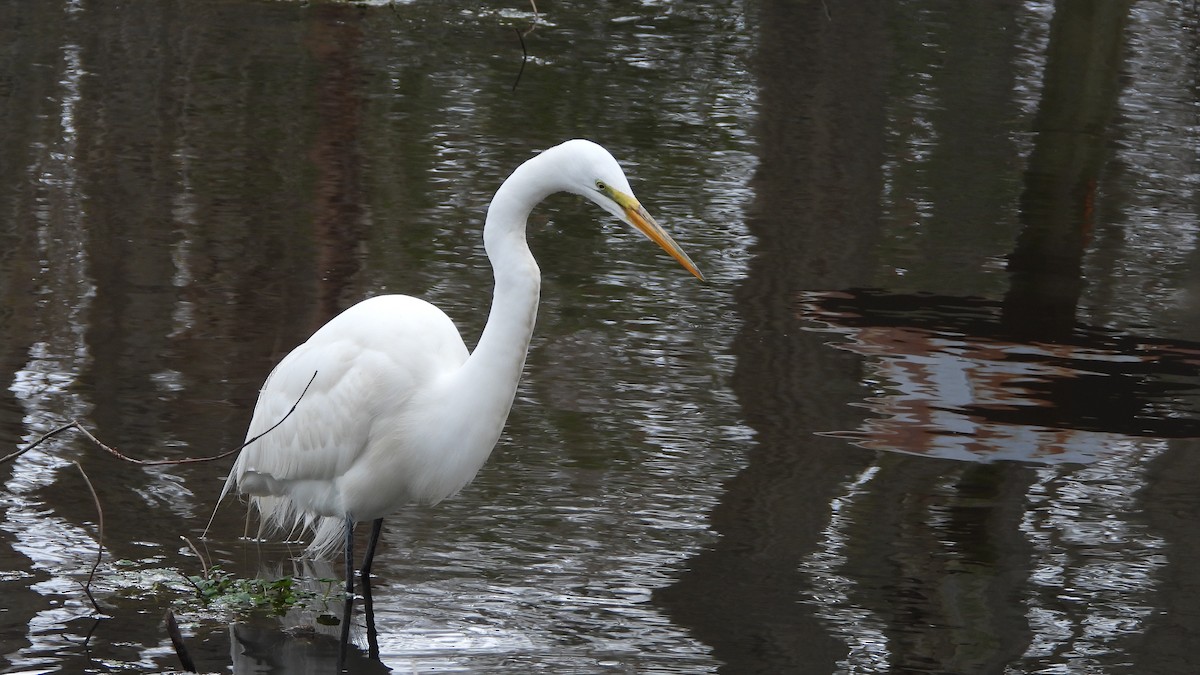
[[638, 217]]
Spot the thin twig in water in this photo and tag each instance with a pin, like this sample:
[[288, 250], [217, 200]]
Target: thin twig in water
[[75, 424], [524, 59], [44, 437], [521, 37], [193, 584], [203, 562], [87, 587]]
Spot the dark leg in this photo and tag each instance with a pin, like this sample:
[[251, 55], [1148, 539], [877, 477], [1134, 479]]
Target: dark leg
[[369, 616], [349, 609], [349, 557], [368, 605], [376, 529], [344, 644]]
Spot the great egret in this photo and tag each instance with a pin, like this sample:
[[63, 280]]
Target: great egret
[[392, 409]]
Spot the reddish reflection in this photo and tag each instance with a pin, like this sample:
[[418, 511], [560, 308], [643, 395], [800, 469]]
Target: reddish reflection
[[950, 383], [339, 224]]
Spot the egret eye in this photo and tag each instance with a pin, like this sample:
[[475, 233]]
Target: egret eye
[[601, 186]]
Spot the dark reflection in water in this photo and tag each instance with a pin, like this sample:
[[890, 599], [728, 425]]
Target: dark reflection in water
[[822, 112], [1070, 151], [188, 188], [262, 648], [835, 559]]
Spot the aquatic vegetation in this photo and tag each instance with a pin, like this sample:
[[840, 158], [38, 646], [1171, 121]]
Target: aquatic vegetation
[[221, 589]]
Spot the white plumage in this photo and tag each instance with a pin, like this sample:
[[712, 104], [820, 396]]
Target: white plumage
[[353, 445], [398, 411]]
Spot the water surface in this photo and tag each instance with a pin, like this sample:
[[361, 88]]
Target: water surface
[[934, 410]]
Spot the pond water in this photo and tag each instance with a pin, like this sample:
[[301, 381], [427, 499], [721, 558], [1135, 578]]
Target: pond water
[[935, 409]]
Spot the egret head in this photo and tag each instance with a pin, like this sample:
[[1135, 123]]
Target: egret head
[[592, 172]]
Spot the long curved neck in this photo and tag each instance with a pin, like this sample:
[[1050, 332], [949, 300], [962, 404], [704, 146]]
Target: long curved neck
[[487, 383], [505, 339]]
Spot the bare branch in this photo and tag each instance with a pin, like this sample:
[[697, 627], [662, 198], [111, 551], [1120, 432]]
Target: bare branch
[[75, 424], [42, 439], [524, 58], [521, 37], [87, 588], [203, 562]]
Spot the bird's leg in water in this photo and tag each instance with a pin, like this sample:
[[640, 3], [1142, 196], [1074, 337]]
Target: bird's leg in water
[[369, 617], [343, 646], [376, 529]]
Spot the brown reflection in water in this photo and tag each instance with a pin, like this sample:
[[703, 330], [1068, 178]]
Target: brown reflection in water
[[952, 383], [338, 227]]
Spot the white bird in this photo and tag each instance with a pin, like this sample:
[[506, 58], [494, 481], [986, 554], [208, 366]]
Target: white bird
[[390, 408]]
